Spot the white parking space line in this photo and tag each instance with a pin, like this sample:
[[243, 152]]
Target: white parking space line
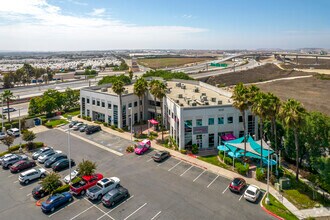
[[16, 181], [63, 208], [136, 211], [187, 170], [174, 166], [131, 197], [73, 202], [29, 194], [199, 175], [156, 215], [225, 190], [149, 160], [212, 181], [3, 171], [82, 212], [241, 197], [11, 175], [99, 209], [158, 165]]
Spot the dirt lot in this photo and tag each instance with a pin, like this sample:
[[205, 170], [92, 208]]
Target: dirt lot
[[259, 74], [156, 63], [304, 63], [312, 92]]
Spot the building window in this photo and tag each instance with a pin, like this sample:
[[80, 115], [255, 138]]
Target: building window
[[87, 100], [103, 104], [211, 121], [141, 102], [115, 115], [172, 115], [124, 115], [241, 134], [230, 120], [93, 101], [141, 117], [169, 112], [130, 105], [109, 105], [221, 120], [135, 117], [211, 140], [88, 113], [199, 122], [98, 103], [109, 119], [240, 119], [135, 104]]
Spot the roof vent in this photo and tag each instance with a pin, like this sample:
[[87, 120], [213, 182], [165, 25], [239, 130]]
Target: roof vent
[[203, 98], [183, 86], [178, 84], [203, 93], [193, 104], [219, 102], [196, 89], [177, 101], [213, 99], [180, 96], [206, 103]]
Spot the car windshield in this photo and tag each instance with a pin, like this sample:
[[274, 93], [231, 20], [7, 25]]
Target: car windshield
[[236, 182], [157, 155], [140, 146], [250, 192]]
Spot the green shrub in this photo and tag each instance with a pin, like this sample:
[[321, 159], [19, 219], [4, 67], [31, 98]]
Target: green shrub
[[88, 118], [130, 149], [242, 169], [272, 179], [194, 149], [61, 189], [98, 122], [105, 124], [183, 151], [228, 161], [84, 117], [114, 127], [4, 153], [120, 130], [79, 116], [221, 154], [260, 174]]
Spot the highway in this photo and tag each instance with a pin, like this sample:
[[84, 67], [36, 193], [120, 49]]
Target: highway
[[24, 107]]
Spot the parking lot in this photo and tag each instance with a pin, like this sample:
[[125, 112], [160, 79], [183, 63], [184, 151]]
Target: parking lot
[[172, 189]]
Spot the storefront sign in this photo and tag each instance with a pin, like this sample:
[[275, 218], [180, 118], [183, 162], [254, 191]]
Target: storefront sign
[[200, 130]]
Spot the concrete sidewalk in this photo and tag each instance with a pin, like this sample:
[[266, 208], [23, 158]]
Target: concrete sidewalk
[[301, 214]]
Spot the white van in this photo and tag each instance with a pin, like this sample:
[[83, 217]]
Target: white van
[[13, 132]]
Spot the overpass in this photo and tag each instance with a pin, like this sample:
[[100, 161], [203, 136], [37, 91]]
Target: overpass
[[297, 55]]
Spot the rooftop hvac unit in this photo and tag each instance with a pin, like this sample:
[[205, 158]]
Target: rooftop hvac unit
[[213, 99], [204, 98], [180, 96], [193, 104], [168, 90], [177, 101], [178, 84], [203, 93], [183, 86], [104, 89], [219, 102], [206, 103], [126, 91], [228, 100], [196, 89], [181, 104], [189, 101]]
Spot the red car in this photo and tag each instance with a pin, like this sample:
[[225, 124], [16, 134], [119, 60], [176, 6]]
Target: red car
[[237, 185], [22, 165], [85, 183]]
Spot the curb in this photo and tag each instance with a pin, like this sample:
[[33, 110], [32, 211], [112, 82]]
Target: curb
[[267, 211], [197, 165]]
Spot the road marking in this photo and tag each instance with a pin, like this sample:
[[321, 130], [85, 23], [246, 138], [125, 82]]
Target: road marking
[[99, 209], [187, 170], [136, 211], [73, 202], [3, 171], [11, 175], [82, 212], [149, 160], [241, 197], [225, 190], [131, 197], [16, 181], [175, 166], [212, 181], [158, 165], [62, 208], [29, 194], [199, 175], [156, 215]]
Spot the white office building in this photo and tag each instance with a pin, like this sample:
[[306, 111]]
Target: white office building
[[194, 112]]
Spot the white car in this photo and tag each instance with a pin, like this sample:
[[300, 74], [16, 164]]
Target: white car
[[102, 187], [13, 132], [252, 193], [77, 126], [31, 174], [2, 135], [6, 110], [73, 175], [48, 154], [5, 156]]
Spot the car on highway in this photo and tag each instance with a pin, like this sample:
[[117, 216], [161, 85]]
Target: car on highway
[[77, 126], [38, 192], [22, 165], [9, 161], [142, 147], [237, 185], [102, 187], [86, 182], [13, 132], [114, 196], [55, 201], [252, 193], [74, 173], [5, 156], [92, 129], [62, 164], [10, 109], [2, 135], [72, 123], [83, 128], [160, 156], [36, 154], [48, 154], [54, 158], [32, 174]]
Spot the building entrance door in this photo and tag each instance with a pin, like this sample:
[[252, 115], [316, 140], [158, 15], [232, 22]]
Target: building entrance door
[[199, 141]]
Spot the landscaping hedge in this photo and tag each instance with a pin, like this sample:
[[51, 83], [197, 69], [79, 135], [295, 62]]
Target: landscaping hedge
[[16, 147], [242, 169], [260, 174], [228, 161], [66, 187]]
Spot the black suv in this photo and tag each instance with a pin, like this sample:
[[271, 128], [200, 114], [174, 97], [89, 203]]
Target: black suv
[[53, 159], [92, 129]]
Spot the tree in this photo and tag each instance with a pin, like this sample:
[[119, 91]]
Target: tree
[[29, 136], [48, 105], [34, 106], [118, 88], [153, 91], [292, 114], [7, 81], [130, 74], [111, 79], [140, 88], [160, 94], [241, 103], [7, 97], [51, 182], [56, 96], [8, 140], [86, 168], [70, 99]]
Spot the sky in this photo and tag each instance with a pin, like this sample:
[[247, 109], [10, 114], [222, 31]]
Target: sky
[[68, 25]]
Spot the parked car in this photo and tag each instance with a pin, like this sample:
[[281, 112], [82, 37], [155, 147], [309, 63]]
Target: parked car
[[86, 182], [10, 109], [92, 129], [53, 159], [55, 201], [77, 126], [142, 147], [38, 192], [13, 132], [22, 165], [62, 164], [74, 173], [48, 154], [102, 187], [160, 156], [36, 154], [9, 161], [5, 156], [72, 123], [237, 185], [252, 193], [115, 196], [83, 128], [2, 135], [31, 174]]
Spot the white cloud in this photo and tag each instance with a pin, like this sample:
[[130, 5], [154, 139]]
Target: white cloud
[[98, 11], [78, 2], [38, 25], [185, 16]]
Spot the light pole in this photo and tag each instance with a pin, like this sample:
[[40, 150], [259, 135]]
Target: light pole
[[69, 149], [3, 128], [267, 198], [131, 110]]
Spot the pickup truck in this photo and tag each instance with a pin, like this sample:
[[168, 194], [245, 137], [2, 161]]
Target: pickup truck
[[85, 183], [102, 187]]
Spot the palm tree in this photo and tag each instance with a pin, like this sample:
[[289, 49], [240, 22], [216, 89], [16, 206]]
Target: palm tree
[[7, 96], [260, 108], [241, 103], [153, 90], [292, 113], [160, 94], [140, 88], [118, 88]]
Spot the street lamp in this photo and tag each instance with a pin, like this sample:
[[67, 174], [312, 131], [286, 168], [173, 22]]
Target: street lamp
[[3, 128], [69, 148], [131, 110], [267, 198]]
